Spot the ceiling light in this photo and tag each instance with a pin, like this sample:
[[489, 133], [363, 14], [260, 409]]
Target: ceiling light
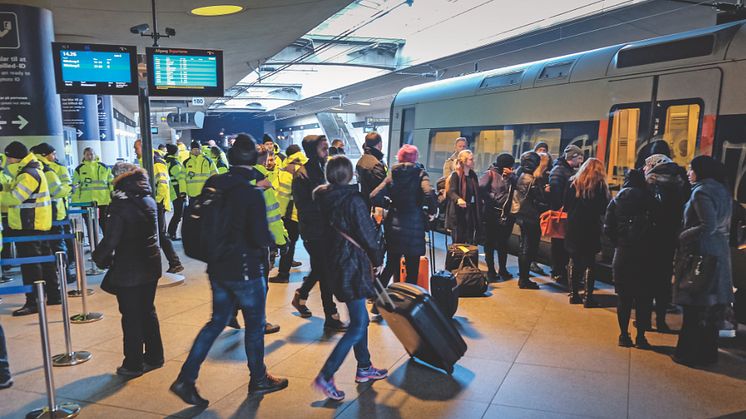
[[362, 104], [218, 10]]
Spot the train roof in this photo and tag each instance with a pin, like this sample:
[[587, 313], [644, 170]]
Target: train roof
[[696, 47]]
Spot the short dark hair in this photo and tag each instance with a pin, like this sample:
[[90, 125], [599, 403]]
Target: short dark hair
[[339, 170], [372, 139], [337, 142]]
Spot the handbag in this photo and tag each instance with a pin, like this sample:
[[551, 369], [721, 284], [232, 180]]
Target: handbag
[[553, 223], [694, 272]]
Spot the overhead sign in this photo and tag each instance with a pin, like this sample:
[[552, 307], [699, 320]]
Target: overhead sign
[[95, 68], [9, 37], [185, 72], [198, 101]]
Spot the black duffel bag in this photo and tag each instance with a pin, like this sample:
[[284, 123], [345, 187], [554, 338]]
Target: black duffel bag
[[471, 282], [458, 253]]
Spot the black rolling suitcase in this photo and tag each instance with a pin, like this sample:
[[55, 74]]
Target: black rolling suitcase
[[443, 286], [426, 333]]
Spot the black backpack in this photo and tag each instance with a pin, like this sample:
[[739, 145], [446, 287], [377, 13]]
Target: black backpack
[[204, 231]]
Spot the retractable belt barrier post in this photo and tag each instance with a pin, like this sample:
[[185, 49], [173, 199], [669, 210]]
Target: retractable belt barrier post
[[53, 410], [93, 237], [79, 259], [85, 316], [70, 357]]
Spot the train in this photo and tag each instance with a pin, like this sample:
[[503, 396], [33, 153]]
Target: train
[[688, 89]]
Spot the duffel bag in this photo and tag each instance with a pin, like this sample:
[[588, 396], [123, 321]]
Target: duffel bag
[[458, 253], [471, 282]]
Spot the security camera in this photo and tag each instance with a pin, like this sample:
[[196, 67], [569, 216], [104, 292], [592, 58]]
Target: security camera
[[140, 29], [170, 32]]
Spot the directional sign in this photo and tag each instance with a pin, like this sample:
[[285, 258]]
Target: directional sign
[[21, 122], [9, 38]]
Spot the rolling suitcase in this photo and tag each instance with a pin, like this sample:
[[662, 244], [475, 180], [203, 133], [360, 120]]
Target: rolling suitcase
[[423, 274], [443, 286], [424, 331]]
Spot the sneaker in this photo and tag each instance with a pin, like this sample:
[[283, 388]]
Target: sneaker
[[300, 305], [268, 384], [296, 264], [126, 372], [371, 373], [175, 269], [625, 341], [280, 278], [187, 392], [6, 383], [328, 388], [270, 328], [26, 310], [528, 285], [334, 324]]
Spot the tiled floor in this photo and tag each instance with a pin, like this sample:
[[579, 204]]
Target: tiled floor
[[531, 355]]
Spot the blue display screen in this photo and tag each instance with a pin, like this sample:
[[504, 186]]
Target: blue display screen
[[95, 67], [185, 71]]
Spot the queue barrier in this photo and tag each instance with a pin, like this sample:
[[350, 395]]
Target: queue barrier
[[40, 238], [18, 289]]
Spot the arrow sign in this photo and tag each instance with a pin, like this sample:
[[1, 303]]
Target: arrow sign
[[79, 133], [21, 122]]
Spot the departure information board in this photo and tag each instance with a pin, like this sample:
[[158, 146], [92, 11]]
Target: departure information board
[[95, 68], [185, 72]]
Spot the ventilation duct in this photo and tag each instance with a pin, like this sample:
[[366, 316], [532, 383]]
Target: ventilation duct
[[186, 120]]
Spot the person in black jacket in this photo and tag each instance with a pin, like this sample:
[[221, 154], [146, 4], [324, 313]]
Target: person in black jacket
[[409, 191], [585, 201], [371, 170], [352, 252], [559, 179], [627, 224], [236, 274], [310, 223], [130, 250], [496, 187], [528, 202], [463, 216], [668, 183]]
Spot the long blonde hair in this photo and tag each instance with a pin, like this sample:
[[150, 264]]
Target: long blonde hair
[[590, 178]]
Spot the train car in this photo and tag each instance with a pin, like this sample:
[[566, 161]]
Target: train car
[[688, 89]]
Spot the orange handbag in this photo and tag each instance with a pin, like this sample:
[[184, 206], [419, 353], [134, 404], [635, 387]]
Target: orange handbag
[[553, 223]]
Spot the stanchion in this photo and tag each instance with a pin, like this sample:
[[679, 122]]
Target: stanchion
[[93, 238], [85, 316], [53, 410], [70, 357], [79, 259]]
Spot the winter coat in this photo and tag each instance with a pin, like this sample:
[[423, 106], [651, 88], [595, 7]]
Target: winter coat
[[559, 180], [469, 218], [409, 191], [247, 233], [627, 224], [495, 193], [306, 179], [130, 246], [707, 225], [529, 198], [584, 225], [450, 165], [350, 268], [669, 185], [371, 171]]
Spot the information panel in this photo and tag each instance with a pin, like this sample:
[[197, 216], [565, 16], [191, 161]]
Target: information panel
[[95, 68], [185, 72]]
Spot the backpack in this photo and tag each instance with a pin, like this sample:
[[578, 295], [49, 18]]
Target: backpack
[[204, 231]]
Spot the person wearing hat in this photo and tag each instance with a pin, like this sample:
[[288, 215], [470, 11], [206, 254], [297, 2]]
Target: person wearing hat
[[92, 182], [496, 186], [279, 156], [178, 188], [371, 170], [559, 178], [198, 169], [30, 214]]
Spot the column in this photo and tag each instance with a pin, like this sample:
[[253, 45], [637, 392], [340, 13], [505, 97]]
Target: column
[[109, 149]]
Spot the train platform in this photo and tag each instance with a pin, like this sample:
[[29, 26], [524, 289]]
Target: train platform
[[530, 355]]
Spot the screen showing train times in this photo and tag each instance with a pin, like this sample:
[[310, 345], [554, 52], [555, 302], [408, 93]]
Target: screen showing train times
[[185, 72], [95, 68]]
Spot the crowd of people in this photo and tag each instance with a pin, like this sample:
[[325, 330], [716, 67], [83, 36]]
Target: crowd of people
[[358, 232]]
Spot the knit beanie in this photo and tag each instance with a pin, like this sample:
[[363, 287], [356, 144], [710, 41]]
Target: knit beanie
[[195, 144], [572, 151], [504, 160], [172, 149], [16, 150], [656, 160], [43, 149]]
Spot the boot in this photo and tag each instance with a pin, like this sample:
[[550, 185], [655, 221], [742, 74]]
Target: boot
[[573, 285], [524, 266], [589, 301]]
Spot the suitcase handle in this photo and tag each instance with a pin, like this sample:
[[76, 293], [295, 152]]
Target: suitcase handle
[[380, 295]]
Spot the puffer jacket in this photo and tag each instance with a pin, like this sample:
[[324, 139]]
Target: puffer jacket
[[584, 221], [669, 185], [306, 179], [559, 180], [130, 246], [409, 191], [707, 221], [349, 267], [371, 171], [529, 198]]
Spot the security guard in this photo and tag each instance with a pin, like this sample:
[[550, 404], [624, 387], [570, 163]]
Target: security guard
[[5, 178], [198, 168], [274, 216], [221, 162], [30, 213], [92, 182], [183, 152], [178, 188], [279, 157], [295, 160], [163, 201]]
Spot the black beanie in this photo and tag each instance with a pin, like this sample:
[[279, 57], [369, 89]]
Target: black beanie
[[43, 149], [504, 160], [16, 150], [172, 149], [243, 152], [195, 144], [292, 149]]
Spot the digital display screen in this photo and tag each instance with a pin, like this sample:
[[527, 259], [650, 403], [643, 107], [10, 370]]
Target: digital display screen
[[185, 72], [95, 68]]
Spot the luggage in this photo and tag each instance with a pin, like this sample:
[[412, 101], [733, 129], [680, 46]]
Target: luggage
[[424, 331], [443, 286], [457, 252], [423, 274], [553, 223], [471, 281]]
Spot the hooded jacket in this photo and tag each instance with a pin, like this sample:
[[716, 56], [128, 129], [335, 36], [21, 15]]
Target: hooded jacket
[[529, 198], [349, 267], [371, 171], [285, 176], [495, 191], [559, 180], [669, 185], [130, 246], [306, 179]]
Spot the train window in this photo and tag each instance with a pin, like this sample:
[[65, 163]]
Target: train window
[[623, 145], [501, 80], [490, 143], [699, 46], [407, 126], [551, 136], [680, 132], [441, 148], [556, 71]]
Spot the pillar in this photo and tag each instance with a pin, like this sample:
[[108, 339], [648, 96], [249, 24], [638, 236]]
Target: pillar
[[80, 112], [109, 148], [29, 104]]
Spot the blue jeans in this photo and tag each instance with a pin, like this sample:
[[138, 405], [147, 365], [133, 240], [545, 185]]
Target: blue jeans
[[4, 365], [356, 337], [250, 296]]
